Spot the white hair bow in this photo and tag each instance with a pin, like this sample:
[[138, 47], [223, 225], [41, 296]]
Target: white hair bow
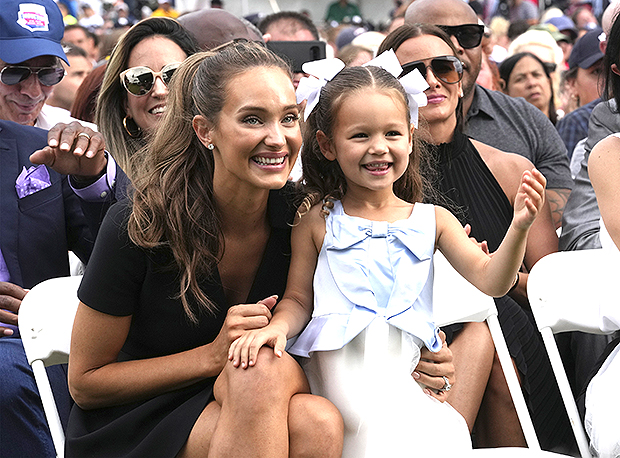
[[413, 82], [310, 88], [325, 70]]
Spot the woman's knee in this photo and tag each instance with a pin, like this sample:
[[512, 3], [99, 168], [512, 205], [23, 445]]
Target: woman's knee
[[315, 427], [272, 376]]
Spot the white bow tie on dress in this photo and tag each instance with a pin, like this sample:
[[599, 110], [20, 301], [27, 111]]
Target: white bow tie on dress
[[325, 70]]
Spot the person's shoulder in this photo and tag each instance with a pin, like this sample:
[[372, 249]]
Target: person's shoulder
[[603, 158], [608, 145], [605, 110], [504, 165], [499, 105], [519, 108], [118, 214], [19, 131], [505, 101]]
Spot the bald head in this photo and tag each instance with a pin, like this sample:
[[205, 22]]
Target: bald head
[[214, 27], [440, 12], [609, 16], [451, 13]]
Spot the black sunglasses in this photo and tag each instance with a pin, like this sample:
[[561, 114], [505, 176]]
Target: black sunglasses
[[140, 81], [48, 76], [448, 69], [468, 35]]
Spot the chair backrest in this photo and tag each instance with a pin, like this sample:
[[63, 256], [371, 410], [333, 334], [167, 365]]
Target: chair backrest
[[561, 284], [566, 291], [45, 320], [455, 300]]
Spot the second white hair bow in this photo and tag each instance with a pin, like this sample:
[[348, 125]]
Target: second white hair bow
[[413, 82], [325, 70]]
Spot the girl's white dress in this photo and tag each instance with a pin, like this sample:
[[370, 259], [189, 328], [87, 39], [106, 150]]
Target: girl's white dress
[[372, 313]]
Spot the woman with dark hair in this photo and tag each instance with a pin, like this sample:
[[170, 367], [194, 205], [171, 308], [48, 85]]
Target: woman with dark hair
[[480, 181], [133, 94], [525, 75], [194, 258], [601, 405]]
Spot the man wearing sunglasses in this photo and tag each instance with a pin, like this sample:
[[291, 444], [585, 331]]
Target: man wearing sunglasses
[[30, 62], [491, 117], [40, 217]]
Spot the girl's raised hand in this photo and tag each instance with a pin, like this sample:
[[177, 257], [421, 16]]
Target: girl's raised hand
[[529, 199]]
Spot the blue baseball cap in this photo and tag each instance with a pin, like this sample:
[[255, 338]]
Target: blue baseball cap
[[587, 50], [30, 28], [565, 25]]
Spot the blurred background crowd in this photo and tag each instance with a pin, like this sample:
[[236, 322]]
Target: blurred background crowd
[[353, 31]]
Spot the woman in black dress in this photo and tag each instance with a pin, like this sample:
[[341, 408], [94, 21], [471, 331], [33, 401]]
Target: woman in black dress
[[480, 181], [184, 267]]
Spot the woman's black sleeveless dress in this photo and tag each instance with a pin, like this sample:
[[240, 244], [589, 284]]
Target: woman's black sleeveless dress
[[464, 178], [123, 279]]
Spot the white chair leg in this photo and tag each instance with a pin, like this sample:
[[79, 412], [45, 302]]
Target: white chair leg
[[513, 383], [566, 392], [49, 407]]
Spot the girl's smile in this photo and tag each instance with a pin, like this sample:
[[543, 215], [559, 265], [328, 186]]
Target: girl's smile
[[378, 168]]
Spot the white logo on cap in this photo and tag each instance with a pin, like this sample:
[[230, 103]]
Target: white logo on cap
[[33, 17]]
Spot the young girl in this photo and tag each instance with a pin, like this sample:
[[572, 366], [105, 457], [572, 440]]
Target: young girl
[[369, 241]]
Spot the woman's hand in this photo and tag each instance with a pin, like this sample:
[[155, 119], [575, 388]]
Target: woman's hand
[[73, 149], [433, 367], [530, 199], [239, 320]]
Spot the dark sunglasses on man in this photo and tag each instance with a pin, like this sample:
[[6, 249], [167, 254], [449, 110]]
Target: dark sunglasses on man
[[468, 35], [140, 81], [448, 69], [48, 76]]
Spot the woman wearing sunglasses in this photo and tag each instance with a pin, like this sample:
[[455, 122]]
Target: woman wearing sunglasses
[[525, 75], [135, 87], [480, 182]]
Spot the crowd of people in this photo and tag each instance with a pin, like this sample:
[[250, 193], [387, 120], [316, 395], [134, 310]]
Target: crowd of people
[[222, 203]]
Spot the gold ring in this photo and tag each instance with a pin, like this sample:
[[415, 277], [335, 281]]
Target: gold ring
[[85, 135]]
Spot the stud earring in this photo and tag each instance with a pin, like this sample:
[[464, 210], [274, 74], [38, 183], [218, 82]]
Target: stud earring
[[210, 146]]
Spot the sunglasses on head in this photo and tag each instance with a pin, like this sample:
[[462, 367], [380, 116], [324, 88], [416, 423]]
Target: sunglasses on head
[[468, 35], [140, 81], [448, 69], [48, 76]]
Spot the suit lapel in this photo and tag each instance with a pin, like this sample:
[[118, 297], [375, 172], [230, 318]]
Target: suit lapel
[[9, 214]]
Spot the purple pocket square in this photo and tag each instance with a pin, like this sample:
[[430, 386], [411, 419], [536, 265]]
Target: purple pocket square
[[32, 180]]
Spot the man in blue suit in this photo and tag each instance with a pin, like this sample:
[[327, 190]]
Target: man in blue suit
[[40, 221]]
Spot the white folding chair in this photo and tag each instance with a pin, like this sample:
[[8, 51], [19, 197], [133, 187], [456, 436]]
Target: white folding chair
[[45, 323], [565, 290], [455, 300]]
